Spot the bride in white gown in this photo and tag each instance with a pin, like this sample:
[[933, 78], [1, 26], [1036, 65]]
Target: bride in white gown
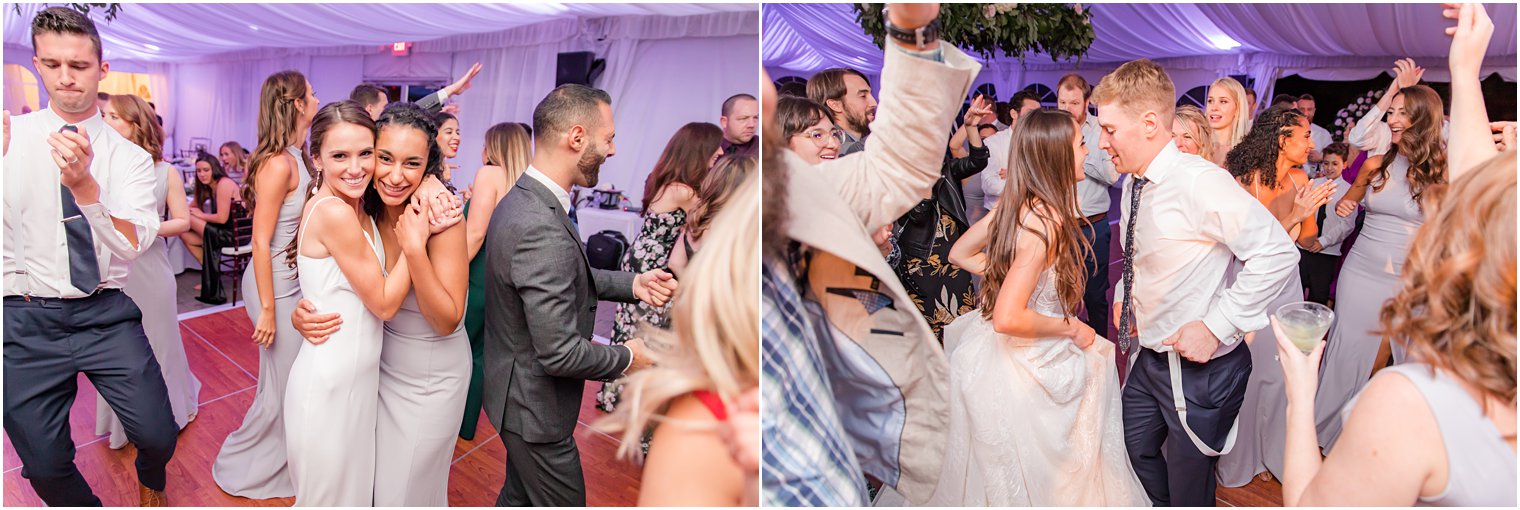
[[1035, 410]]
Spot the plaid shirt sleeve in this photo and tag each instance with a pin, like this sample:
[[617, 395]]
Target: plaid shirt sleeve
[[807, 455]]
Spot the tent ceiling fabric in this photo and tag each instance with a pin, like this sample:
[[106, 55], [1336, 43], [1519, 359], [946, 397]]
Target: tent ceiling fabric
[[812, 37], [176, 32]]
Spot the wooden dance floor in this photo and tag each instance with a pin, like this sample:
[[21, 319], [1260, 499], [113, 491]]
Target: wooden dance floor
[[227, 364]]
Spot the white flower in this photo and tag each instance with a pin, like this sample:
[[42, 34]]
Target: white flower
[[989, 10], [1079, 8]]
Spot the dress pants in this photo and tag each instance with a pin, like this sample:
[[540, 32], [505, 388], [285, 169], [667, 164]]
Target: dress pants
[[48, 342], [542, 474], [1317, 271], [1095, 297], [1214, 392]]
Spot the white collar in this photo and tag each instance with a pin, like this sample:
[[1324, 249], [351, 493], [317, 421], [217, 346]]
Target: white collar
[[559, 192]]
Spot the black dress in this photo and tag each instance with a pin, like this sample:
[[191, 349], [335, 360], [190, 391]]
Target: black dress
[[216, 236], [922, 240]]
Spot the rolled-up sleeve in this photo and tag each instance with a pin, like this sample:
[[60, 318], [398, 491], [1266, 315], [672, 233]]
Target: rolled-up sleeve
[[1371, 134], [126, 194], [1230, 216]]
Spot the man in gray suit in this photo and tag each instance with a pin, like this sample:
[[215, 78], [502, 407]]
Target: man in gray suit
[[541, 294]]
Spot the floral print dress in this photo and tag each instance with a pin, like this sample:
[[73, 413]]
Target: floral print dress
[[942, 291], [649, 252]]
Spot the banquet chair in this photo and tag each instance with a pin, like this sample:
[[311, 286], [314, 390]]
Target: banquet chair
[[235, 258]]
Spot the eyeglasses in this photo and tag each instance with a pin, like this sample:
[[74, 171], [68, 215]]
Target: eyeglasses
[[822, 137]]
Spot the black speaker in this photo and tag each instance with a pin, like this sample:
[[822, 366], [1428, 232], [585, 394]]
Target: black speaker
[[579, 67]]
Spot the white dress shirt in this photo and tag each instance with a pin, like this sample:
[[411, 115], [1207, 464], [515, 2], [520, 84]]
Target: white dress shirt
[[36, 248], [1092, 192], [564, 202], [1372, 134], [1322, 139], [1195, 222], [1336, 229], [992, 185]]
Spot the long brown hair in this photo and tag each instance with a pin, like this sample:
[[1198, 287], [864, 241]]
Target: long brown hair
[[207, 192], [279, 113], [684, 159], [347, 111], [1042, 181], [1421, 143], [717, 188], [1456, 311], [146, 132], [509, 146]]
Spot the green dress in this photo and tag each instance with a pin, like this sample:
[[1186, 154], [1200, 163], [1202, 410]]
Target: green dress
[[475, 327]]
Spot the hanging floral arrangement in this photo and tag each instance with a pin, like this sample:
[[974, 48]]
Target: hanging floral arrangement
[[1347, 117], [110, 9], [1063, 31]]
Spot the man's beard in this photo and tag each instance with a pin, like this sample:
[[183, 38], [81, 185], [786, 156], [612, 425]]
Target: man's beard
[[859, 123], [590, 166]]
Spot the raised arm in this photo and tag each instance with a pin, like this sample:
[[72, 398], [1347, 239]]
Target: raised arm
[[179, 213], [1470, 142], [902, 159], [120, 211], [337, 227]]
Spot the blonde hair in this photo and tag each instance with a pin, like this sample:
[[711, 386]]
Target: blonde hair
[[717, 188], [509, 146], [1197, 124], [1456, 311], [714, 344], [1242, 124], [1139, 86], [146, 132]]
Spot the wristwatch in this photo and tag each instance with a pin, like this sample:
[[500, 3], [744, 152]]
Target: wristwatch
[[919, 37]]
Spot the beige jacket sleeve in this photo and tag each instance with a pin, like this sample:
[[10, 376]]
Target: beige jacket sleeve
[[903, 155]]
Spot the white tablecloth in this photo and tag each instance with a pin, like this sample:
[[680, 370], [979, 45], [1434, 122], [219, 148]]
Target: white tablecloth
[[592, 220], [180, 258]]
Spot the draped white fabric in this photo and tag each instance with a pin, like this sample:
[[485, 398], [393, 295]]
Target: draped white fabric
[[667, 64], [1319, 41]]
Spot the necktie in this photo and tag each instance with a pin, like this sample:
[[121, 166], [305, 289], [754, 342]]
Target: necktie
[[84, 270], [1127, 313]]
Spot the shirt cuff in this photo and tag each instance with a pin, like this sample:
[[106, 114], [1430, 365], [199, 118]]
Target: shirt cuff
[[443, 97], [1221, 327], [630, 359]]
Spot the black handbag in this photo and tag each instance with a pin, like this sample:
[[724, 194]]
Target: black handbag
[[605, 249]]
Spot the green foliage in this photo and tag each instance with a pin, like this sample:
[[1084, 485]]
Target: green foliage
[[111, 10], [1060, 30]]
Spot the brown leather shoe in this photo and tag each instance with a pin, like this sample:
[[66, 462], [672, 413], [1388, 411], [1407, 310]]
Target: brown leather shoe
[[150, 497]]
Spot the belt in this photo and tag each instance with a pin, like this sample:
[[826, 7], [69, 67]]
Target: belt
[[100, 292], [1097, 217]]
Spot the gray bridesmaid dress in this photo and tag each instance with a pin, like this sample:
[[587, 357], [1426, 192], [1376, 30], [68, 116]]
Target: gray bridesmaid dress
[[150, 283], [423, 380], [1369, 277], [252, 461]]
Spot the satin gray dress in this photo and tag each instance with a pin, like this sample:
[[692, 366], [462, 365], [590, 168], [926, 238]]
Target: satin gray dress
[[252, 461], [150, 283], [1369, 277], [423, 380]]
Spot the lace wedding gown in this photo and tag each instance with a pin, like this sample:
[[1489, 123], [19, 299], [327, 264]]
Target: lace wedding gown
[[1033, 422]]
